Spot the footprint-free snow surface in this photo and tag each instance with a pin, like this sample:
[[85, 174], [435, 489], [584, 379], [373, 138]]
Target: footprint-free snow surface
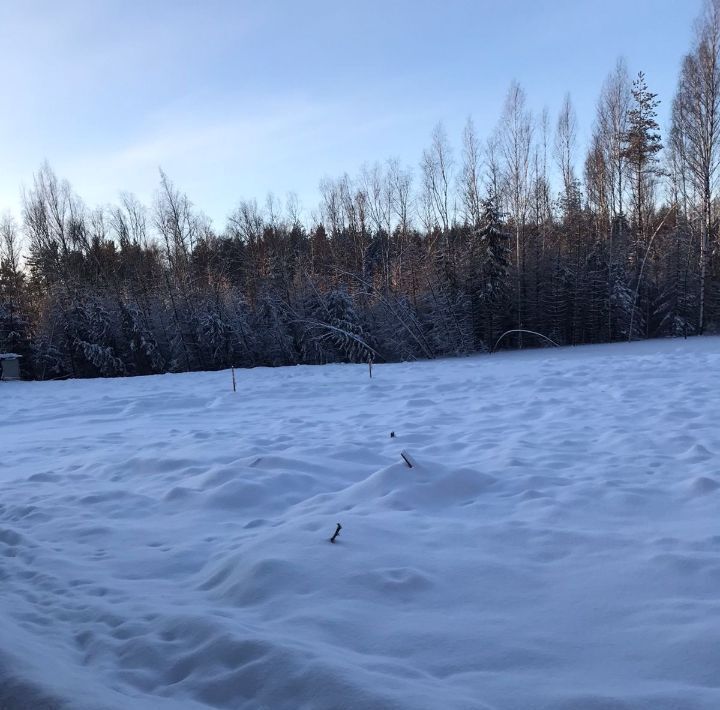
[[164, 541]]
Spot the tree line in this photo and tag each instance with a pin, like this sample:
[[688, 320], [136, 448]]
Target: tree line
[[504, 233]]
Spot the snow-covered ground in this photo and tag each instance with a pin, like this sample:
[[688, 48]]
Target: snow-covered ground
[[164, 541]]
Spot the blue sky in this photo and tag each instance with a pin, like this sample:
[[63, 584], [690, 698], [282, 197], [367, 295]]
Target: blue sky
[[234, 99]]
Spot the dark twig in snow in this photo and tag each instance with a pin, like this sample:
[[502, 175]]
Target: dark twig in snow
[[407, 458], [336, 533]]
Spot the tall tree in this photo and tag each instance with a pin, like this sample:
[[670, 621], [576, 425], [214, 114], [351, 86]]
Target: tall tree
[[696, 127], [436, 166], [565, 140], [611, 127], [470, 176], [641, 145], [515, 140]]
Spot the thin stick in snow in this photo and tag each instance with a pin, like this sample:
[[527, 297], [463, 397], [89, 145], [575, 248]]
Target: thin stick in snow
[[336, 533], [409, 460], [233, 376]]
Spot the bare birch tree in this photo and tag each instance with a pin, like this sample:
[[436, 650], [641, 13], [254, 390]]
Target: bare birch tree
[[565, 141], [515, 139], [610, 127], [696, 127], [470, 176], [436, 166]]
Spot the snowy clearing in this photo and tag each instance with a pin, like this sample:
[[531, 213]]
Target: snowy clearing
[[164, 542]]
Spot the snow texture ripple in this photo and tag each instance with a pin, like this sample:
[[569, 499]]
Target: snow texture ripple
[[164, 542]]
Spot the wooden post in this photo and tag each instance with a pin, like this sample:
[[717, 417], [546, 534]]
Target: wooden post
[[370, 366], [233, 376]]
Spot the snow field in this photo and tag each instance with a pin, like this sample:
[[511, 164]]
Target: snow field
[[164, 542]]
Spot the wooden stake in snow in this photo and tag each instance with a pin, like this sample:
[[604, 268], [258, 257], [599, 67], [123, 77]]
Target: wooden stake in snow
[[233, 376], [336, 533], [409, 460], [370, 366]]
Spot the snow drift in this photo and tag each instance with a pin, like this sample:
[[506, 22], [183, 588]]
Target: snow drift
[[164, 541]]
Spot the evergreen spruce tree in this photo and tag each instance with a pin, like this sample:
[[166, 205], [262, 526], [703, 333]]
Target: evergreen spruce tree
[[491, 304]]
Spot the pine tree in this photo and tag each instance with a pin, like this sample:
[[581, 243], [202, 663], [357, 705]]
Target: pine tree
[[641, 144]]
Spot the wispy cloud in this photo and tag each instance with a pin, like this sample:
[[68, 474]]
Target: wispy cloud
[[219, 157], [235, 98]]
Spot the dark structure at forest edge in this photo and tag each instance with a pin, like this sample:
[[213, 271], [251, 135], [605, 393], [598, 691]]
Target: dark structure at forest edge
[[9, 367], [391, 270]]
